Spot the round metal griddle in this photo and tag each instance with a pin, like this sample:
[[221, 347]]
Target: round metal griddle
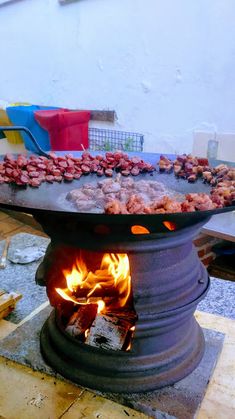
[[51, 198]]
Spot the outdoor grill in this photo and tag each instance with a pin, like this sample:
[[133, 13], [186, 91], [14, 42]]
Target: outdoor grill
[[167, 282]]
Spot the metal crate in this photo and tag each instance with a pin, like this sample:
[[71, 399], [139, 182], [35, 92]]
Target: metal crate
[[111, 140]]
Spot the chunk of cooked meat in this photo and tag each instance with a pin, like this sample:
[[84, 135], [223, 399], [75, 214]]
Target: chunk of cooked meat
[[201, 201], [126, 196], [119, 189], [75, 195], [86, 205], [115, 207], [111, 187], [135, 205], [172, 206]]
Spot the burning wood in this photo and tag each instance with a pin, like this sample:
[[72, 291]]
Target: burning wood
[[107, 332], [104, 313], [110, 298], [127, 316], [111, 282], [81, 320]]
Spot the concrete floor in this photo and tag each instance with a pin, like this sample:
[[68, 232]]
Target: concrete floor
[[25, 394]]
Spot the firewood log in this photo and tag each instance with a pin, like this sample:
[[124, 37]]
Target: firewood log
[[81, 320], [107, 332], [126, 316]]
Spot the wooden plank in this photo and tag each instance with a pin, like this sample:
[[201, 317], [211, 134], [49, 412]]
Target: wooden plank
[[8, 226], [90, 405], [27, 229], [8, 298], [30, 230], [3, 215], [26, 394], [23, 218], [8, 302], [6, 328], [4, 313]]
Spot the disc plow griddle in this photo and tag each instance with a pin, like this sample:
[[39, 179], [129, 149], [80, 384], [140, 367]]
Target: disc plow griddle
[[51, 198]]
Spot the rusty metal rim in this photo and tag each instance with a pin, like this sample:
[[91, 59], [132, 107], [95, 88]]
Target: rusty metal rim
[[131, 380], [186, 307], [71, 347]]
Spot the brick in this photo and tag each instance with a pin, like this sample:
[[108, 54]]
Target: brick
[[204, 250], [208, 259], [201, 253], [208, 249], [201, 240]]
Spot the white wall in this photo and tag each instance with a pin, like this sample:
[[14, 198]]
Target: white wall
[[6, 147], [166, 66]]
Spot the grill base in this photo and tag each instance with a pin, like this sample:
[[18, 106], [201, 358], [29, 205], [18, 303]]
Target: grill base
[[125, 372], [168, 281]]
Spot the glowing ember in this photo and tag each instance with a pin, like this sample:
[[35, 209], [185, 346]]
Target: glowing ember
[[132, 329], [170, 225], [139, 230], [113, 278]]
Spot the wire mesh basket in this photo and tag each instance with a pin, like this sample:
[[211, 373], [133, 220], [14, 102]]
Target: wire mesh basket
[[111, 140]]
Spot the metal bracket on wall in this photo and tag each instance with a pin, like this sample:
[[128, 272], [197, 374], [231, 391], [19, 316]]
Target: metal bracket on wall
[[6, 2], [101, 115], [104, 116], [66, 1]]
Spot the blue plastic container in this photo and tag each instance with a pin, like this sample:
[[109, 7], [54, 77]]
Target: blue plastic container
[[24, 116]]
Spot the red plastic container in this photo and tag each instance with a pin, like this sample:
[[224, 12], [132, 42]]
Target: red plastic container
[[68, 130]]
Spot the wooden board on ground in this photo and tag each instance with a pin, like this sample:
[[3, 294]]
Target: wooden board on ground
[[8, 302]]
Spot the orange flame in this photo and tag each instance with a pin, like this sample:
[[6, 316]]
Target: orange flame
[[170, 225], [114, 275]]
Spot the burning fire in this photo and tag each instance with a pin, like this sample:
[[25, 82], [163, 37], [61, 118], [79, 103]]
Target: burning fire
[[108, 286]]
